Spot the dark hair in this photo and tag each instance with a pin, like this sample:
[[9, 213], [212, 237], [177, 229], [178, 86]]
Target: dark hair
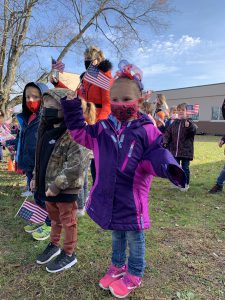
[[182, 105], [148, 107]]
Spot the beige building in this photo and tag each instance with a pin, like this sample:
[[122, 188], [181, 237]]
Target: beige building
[[71, 80], [210, 99]]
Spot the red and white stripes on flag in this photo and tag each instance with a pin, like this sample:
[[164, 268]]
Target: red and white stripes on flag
[[32, 212], [58, 65], [193, 109], [96, 77]]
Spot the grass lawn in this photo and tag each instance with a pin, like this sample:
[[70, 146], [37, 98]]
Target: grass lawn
[[185, 248]]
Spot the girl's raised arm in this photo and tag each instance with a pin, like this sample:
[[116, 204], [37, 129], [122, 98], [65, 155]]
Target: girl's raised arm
[[82, 133]]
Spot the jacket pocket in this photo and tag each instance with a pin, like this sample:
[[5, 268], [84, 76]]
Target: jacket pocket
[[128, 156]]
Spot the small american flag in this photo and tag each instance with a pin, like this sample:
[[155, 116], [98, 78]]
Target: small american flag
[[58, 65], [95, 76], [193, 109], [32, 212]]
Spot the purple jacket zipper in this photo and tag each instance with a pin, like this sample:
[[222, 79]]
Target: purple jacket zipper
[[128, 156]]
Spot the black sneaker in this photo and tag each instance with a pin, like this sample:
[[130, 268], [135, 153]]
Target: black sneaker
[[216, 189], [49, 253], [62, 262]]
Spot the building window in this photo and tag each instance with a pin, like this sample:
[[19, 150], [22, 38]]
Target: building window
[[216, 113], [195, 117]]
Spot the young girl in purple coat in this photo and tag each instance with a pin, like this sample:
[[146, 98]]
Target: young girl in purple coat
[[128, 152]]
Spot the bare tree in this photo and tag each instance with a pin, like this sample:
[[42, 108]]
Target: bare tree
[[119, 23], [15, 25], [19, 35]]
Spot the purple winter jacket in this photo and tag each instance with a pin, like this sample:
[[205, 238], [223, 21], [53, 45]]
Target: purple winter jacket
[[126, 160]]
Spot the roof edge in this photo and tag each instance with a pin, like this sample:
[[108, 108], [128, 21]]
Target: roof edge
[[190, 87]]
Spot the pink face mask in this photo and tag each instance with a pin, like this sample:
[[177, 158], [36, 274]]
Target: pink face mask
[[124, 111]]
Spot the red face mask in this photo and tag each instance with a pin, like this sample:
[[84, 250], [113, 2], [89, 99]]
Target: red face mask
[[124, 111], [33, 106]]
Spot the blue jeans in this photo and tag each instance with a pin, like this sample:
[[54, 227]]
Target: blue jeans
[[221, 178], [136, 244], [41, 202], [184, 162]]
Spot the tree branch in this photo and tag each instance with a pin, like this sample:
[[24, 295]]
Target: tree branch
[[78, 36]]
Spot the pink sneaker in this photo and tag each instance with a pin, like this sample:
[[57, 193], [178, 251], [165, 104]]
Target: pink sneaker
[[112, 275], [122, 287]]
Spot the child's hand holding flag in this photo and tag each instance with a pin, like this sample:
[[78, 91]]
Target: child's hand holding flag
[[58, 65]]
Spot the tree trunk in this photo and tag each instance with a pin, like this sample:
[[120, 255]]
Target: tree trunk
[[18, 33], [4, 99]]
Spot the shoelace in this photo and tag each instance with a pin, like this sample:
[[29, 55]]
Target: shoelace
[[111, 270], [127, 280], [50, 246], [60, 257]]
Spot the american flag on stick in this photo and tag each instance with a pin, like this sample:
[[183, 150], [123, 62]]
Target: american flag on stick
[[96, 77], [193, 109], [58, 65], [32, 212]]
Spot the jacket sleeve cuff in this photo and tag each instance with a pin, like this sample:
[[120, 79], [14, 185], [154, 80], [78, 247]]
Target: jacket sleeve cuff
[[176, 175], [53, 187]]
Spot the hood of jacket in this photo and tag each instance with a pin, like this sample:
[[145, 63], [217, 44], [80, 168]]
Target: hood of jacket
[[105, 66], [58, 93], [41, 87]]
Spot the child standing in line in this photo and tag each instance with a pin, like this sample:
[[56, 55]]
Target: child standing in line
[[161, 112], [58, 178], [128, 152], [29, 120], [2, 128], [179, 139], [172, 116], [5, 135], [148, 109]]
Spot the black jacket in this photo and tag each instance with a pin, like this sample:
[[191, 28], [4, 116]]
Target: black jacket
[[180, 139]]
